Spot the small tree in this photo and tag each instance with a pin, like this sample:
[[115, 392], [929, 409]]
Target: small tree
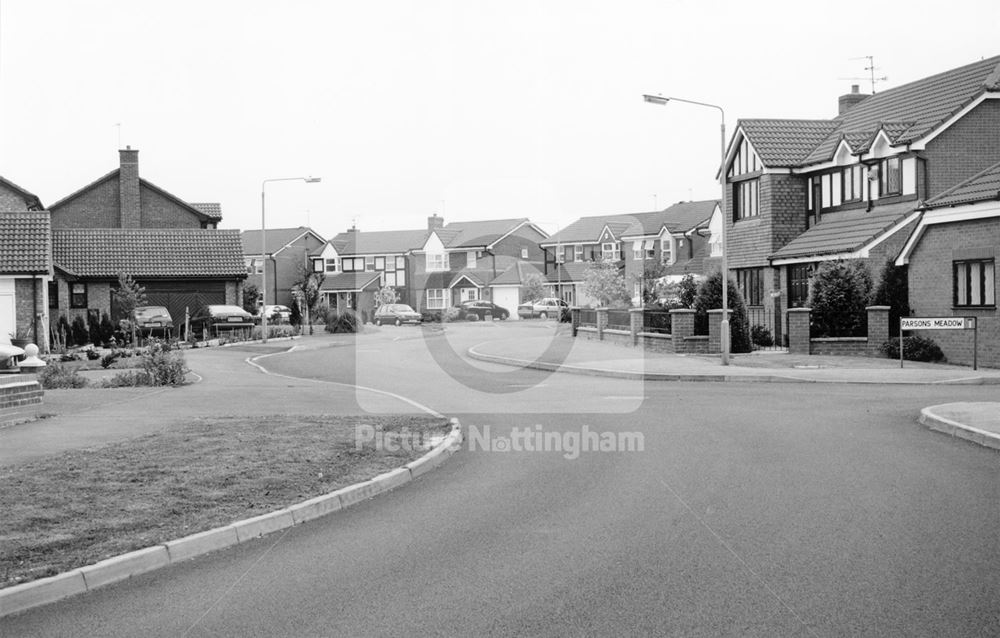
[[839, 292], [129, 295], [251, 297], [306, 295], [533, 287], [107, 328], [385, 295], [709, 298], [80, 332], [893, 291], [604, 282], [652, 286], [688, 291]]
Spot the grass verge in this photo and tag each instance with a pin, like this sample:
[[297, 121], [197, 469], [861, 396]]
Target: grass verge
[[83, 506]]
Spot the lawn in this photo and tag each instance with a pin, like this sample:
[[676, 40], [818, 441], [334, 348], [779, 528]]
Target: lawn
[[83, 506]]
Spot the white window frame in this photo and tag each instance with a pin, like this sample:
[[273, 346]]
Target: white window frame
[[666, 251], [436, 298], [578, 252], [610, 254], [524, 253], [327, 263], [470, 259], [639, 250], [437, 262]]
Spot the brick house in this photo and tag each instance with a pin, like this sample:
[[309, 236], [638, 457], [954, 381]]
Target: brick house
[[676, 237], [288, 255], [25, 265], [951, 265], [121, 223], [805, 191], [430, 269]]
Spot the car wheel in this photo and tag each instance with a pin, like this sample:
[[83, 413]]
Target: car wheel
[[378, 322], [543, 316], [472, 317], [399, 321], [504, 315]]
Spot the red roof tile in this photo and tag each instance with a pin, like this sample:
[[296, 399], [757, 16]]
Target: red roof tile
[[149, 252], [24, 237]]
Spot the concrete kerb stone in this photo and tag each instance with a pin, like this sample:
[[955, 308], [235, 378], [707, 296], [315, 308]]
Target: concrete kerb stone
[[939, 423], [77, 581], [125, 566]]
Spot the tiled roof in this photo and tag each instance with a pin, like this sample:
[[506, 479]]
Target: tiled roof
[[477, 276], [845, 233], [571, 272], [277, 238], [479, 233], [679, 218], [350, 281], [922, 106], [516, 273], [211, 209], [982, 187], [380, 242], [25, 239], [588, 229], [149, 252], [785, 143], [693, 266]]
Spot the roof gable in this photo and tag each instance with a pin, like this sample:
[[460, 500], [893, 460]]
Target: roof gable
[[984, 186], [31, 201]]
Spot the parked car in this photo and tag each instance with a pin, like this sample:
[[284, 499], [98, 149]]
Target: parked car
[[278, 314], [397, 313], [213, 319], [478, 309], [153, 319], [548, 307]]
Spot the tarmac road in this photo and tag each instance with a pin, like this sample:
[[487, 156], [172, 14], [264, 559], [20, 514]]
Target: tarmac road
[[752, 510]]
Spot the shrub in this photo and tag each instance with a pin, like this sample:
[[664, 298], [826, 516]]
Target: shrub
[[709, 298], [760, 336], [163, 366], [111, 357], [914, 349], [127, 379], [275, 331], [839, 292], [94, 333], [341, 323], [107, 329], [64, 331], [55, 376], [893, 291], [79, 330]]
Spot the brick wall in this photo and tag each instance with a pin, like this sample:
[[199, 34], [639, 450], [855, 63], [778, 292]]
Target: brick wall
[[964, 149], [840, 346], [19, 400], [931, 294], [159, 212], [95, 208], [29, 296], [523, 237], [128, 189], [11, 201]]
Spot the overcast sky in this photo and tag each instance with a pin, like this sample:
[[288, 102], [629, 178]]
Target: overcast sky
[[469, 109]]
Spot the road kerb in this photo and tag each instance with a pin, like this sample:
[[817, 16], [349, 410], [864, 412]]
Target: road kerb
[[392, 479], [943, 424], [264, 524], [201, 543], [315, 508], [41, 592], [125, 566], [357, 493]]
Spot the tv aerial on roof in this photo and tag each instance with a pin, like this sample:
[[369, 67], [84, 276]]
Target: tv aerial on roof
[[871, 68]]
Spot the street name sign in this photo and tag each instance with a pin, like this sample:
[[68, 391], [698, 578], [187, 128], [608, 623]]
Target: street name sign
[[936, 323]]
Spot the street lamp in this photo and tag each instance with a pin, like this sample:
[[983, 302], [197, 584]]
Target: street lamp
[[263, 247], [724, 327]]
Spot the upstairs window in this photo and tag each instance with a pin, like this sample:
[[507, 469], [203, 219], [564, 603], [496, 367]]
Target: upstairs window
[[851, 180], [578, 252], [638, 250], [666, 251], [974, 283], [330, 265], [750, 282], [352, 264], [746, 199], [53, 294], [380, 263], [369, 264], [470, 259], [610, 251], [524, 253], [890, 177], [437, 261], [78, 295]]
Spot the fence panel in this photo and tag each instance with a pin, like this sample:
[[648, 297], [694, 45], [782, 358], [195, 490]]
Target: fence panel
[[765, 328], [619, 320], [656, 321], [588, 317]]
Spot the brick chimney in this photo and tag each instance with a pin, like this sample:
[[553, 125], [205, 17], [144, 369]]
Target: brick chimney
[[434, 222], [128, 189], [847, 102]]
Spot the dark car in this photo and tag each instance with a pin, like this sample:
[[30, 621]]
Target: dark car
[[153, 320], [213, 319], [478, 310], [397, 313], [547, 308]]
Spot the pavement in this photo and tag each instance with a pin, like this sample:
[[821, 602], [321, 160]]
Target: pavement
[[978, 422]]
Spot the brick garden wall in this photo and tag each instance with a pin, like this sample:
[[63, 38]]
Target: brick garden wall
[[931, 294]]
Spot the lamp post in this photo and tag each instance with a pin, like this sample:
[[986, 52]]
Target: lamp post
[[724, 327], [263, 246]]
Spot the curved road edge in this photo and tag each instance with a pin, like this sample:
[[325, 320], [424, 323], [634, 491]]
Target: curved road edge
[[932, 418], [112, 570]]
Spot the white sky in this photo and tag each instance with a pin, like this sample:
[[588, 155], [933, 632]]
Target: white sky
[[469, 109]]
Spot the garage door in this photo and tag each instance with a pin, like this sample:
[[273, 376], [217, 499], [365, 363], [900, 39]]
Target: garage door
[[507, 298], [178, 295]]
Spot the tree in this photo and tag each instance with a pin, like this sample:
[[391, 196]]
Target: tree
[[893, 291], [251, 297], [129, 295], [604, 282], [306, 295], [385, 295], [652, 285], [710, 298], [533, 287], [839, 292]]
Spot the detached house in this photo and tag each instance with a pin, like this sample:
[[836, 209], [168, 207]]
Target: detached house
[[287, 257], [124, 224], [430, 269], [806, 191], [678, 238], [25, 265]]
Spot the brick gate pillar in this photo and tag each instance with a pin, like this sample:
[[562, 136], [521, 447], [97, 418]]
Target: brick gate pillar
[[798, 330], [878, 329]]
